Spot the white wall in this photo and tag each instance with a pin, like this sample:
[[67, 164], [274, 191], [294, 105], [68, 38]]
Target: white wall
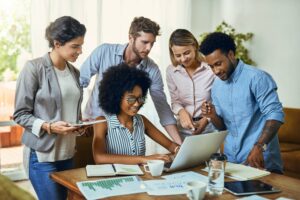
[[276, 43]]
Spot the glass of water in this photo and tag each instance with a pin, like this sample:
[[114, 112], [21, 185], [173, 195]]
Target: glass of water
[[216, 174]]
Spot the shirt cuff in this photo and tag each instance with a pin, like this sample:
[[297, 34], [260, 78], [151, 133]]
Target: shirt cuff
[[84, 83], [37, 126], [176, 109], [279, 116]]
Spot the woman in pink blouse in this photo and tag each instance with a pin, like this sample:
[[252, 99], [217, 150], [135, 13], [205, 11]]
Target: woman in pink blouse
[[189, 81]]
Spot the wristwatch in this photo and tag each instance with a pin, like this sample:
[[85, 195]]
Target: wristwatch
[[262, 146]]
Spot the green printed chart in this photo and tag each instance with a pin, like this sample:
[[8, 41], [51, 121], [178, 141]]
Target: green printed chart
[[110, 187]]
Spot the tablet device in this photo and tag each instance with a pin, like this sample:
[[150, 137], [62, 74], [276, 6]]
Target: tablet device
[[87, 123], [249, 187]]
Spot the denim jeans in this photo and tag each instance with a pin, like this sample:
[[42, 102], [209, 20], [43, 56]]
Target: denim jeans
[[39, 176]]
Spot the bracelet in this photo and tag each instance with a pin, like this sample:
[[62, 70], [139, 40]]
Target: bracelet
[[176, 149], [49, 128]]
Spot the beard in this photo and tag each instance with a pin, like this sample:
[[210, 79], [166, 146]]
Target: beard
[[137, 53], [231, 68]]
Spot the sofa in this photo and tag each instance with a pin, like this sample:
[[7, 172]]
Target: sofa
[[289, 139]]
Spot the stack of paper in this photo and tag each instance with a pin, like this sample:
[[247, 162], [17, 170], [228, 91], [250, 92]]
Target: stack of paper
[[112, 170], [243, 172]]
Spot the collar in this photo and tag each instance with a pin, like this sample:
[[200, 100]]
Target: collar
[[236, 73], [115, 123], [120, 52], [180, 68]]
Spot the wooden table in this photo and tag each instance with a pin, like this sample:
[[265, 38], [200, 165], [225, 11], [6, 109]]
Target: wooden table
[[290, 187]]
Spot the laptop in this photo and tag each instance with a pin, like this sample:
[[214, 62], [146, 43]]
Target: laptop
[[195, 150]]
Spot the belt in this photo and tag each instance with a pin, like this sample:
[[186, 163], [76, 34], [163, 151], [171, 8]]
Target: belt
[[196, 118]]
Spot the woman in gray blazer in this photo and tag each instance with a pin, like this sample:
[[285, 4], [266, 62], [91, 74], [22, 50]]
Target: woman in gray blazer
[[48, 97]]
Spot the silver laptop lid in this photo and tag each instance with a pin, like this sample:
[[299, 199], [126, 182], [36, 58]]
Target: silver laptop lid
[[197, 149]]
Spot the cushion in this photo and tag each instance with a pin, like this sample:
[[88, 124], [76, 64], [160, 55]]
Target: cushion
[[290, 130], [285, 147]]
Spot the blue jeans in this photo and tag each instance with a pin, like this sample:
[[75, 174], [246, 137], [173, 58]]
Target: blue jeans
[[39, 176]]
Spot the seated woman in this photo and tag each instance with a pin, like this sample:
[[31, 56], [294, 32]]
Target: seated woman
[[189, 81], [121, 139]]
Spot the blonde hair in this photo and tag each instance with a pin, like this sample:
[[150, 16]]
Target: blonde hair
[[182, 37]]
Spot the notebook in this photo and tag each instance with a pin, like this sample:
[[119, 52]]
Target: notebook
[[243, 172], [195, 150], [112, 170]]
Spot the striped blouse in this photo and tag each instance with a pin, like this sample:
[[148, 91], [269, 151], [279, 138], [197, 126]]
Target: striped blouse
[[119, 140]]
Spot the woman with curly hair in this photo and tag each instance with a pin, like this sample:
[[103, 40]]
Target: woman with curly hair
[[121, 139]]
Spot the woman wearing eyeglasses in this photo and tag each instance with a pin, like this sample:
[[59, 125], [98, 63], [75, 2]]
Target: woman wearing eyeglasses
[[121, 139]]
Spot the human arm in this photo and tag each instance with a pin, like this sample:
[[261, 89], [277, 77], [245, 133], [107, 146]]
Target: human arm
[[200, 126], [158, 136], [177, 106], [255, 157], [163, 109], [264, 89], [33, 102], [208, 110], [101, 156], [90, 67]]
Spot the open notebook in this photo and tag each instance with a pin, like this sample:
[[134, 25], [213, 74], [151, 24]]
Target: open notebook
[[113, 170], [242, 172]]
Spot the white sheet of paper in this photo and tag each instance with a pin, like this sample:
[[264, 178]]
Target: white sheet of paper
[[253, 197], [110, 187], [187, 176], [165, 187]]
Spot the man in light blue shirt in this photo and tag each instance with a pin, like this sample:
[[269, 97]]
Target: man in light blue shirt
[[142, 35], [244, 101]]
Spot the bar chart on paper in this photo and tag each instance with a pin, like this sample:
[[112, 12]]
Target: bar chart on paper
[[110, 187]]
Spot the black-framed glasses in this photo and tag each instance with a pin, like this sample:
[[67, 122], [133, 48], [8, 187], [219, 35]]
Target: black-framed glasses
[[132, 100]]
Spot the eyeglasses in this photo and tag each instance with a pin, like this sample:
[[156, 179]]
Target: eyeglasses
[[132, 100]]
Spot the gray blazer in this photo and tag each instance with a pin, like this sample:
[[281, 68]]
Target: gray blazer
[[38, 97]]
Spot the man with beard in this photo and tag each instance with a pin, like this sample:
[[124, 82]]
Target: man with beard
[[142, 35], [244, 101]]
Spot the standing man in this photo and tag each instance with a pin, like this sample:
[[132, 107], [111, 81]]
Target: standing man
[[244, 101], [142, 35]]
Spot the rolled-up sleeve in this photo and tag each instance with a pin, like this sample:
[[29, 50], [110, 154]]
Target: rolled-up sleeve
[[37, 127], [265, 91]]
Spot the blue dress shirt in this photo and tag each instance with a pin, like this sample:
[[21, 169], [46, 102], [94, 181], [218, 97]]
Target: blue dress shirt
[[107, 55], [245, 102]]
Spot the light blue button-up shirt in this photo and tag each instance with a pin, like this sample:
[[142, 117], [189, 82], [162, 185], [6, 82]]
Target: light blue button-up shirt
[[245, 102], [107, 55]]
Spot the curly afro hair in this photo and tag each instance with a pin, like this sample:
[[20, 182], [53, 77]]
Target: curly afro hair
[[116, 81], [217, 40]]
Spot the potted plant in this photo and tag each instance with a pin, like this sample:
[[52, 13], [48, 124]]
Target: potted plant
[[239, 38]]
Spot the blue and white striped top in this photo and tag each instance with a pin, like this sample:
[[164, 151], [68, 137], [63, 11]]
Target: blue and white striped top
[[119, 140]]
